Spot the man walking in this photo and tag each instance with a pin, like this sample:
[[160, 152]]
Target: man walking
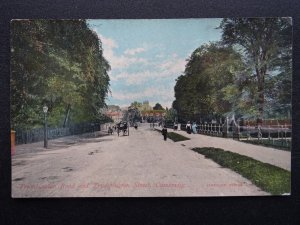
[[165, 132]]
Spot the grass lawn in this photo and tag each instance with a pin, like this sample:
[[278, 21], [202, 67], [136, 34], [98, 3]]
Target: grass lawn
[[269, 178], [175, 137]]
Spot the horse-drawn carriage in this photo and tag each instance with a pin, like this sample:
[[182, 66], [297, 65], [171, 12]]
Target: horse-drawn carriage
[[123, 127]]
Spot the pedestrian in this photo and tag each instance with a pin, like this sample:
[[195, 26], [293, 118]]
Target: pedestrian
[[110, 131], [175, 126], [194, 128], [188, 127], [164, 132]]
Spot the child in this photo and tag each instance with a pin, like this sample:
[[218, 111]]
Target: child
[[165, 132]]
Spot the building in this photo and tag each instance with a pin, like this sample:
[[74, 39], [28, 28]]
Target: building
[[116, 116]]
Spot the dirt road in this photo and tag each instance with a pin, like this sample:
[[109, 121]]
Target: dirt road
[[141, 164]]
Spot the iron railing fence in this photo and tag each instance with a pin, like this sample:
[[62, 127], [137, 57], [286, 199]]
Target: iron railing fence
[[36, 135], [273, 134]]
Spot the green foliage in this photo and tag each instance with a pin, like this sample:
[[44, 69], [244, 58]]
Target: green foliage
[[158, 107], [249, 73], [171, 115], [58, 63], [267, 45], [269, 178], [136, 104], [201, 90]]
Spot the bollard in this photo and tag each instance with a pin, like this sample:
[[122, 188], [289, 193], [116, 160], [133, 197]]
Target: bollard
[[13, 142]]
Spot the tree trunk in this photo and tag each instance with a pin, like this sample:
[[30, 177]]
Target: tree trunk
[[261, 94], [67, 115]]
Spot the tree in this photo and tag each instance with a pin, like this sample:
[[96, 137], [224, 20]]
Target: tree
[[171, 115], [266, 44], [136, 104], [158, 107], [199, 92], [58, 63]]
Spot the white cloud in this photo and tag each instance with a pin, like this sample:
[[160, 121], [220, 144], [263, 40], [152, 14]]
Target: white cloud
[[108, 43], [119, 61], [168, 69], [164, 93], [134, 51], [173, 65], [160, 55]]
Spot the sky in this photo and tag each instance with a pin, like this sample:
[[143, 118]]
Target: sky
[[147, 56]]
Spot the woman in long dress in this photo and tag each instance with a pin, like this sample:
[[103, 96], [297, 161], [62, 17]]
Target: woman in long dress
[[194, 128], [188, 127]]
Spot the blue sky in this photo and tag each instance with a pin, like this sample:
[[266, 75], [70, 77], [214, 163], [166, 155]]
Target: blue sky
[[146, 56]]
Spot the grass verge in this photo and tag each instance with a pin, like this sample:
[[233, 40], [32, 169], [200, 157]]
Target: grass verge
[[269, 178], [177, 137], [174, 136]]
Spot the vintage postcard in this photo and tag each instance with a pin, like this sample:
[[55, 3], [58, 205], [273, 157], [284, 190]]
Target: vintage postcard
[[151, 107]]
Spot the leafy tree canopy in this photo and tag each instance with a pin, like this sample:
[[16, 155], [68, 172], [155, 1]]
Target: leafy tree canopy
[[158, 107], [58, 63]]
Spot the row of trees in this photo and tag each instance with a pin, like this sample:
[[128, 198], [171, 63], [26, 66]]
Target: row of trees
[[58, 63], [141, 107], [248, 73]]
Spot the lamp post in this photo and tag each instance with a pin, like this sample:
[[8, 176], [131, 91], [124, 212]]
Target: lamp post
[[45, 110]]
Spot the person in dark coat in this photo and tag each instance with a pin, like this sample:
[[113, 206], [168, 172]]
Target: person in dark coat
[[189, 128], [164, 132]]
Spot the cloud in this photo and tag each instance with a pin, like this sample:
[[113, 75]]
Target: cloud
[[108, 42], [164, 93], [162, 68], [171, 68], [134, 51], [119, 61], [173, 65]]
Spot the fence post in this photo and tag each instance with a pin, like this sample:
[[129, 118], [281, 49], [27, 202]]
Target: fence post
[[285, 130], [259, 135], [281, 134], [215, 130], [225, 128], [248, 133], [278, 130]]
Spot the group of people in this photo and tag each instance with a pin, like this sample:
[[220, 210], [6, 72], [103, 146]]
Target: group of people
[[191, 128], [119, 126]]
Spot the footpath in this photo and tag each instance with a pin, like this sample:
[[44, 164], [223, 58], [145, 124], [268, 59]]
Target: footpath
[[58, 143], [269, 155]]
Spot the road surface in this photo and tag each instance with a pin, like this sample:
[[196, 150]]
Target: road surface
[[139, 165]]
